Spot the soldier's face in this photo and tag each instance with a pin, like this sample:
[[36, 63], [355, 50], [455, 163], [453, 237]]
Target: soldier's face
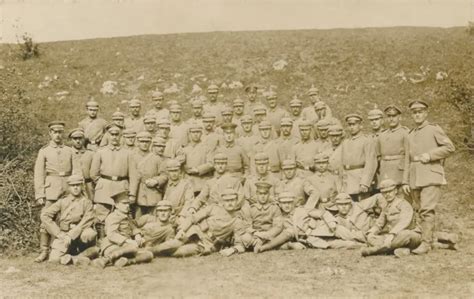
[[335, 139], [197, 111], [314, 98], [220, 167], [208, 125], [321, 166], [164, 132], [323, 133], [195, 136], [262, 196], [390, 195], [129, 141], [287, 206], [123, 207], [419, 115], [159, 149], [135, 111], [75, 189], [272, 103], [175, 116], [344, 208], [158, 103], [321, 113], [376, 124], [259, 117], [289, 173], [92, 112], [285, 130], [150, 127], [296, 110], [229, 204], [229, 136], [239, 110], [261, 168], [305, 133], [174, 174], [354, 127], [213, 96], [77, 142], [252, 95], [393, 120], [247, 127], [163, 215], [56, 135], [115, 138], [144, 145], [265, 132], [227, 118], [118, 122]]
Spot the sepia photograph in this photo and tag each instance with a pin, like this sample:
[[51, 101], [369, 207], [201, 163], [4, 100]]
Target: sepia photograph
[[237, 149]]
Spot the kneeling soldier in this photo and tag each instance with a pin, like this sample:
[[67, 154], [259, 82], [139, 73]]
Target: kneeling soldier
[[120, 246], [72, 230]]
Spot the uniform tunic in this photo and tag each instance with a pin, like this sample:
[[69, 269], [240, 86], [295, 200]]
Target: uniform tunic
[[94, 129], [134, 123], [84, 160], [270, 147], [326, 185], [294, 185], [392, 151], [304, 153], [250, 190], [180, 194], [158, 114], [198, 155], [149, 166], [274, 116], [237, 158], [213, 188]]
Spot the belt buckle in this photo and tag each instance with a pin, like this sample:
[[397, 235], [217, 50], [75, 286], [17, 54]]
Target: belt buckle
[[62, 173], [114, 178]]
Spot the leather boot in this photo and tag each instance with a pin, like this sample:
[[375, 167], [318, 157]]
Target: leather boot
[[122, 252], [100, 262], [91, 252], [44, 246], [439, 245], [374, 250], [100, 228], [422, 249], [166, 248], [445, 237], [143, 256]]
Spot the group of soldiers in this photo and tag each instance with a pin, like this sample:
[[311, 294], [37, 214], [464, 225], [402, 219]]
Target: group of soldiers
[[243, 176]]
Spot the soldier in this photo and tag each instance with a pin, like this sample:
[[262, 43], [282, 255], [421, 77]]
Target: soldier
[[323, 112], [158, 149], [156, 228], [323, 186], [286, 141], [259, 114], [213, 106], [267, 145], [122, 241], [179, 190], [237, 158], [238, 105], [55, 162], [275, 113], [113, 170], [429, 147], [197, 164], [305, 150], [228, 115], [158, 111], [336, 135], [128, 140], [308, 112], [69, 221], [392, 149], [296, 109], [263, 222], [150, 175], [246, 137], [376, 120], [178, 129], [197, 107], [290, 181], [135, 120], [172, 150], [262, 174], [395, 228], [83, 157], [93, 126], [251, 93], [211, 136], [149, 123], [118, 119], [359, 160], [212, 189], [321, 135]]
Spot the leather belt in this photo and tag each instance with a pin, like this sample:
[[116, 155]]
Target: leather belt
[[61, 174], [352, 167], [393, 157], [114, 178]]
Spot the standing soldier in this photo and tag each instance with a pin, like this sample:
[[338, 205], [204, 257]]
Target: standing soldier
[[375, 117], [336, 135], [246, 138], [55, 162], [239, 109], [83, 157], [305, 150], [429, 147], [290, 181], [213, 106], [259, 114], [128, 139], [228, 115], [135, 120], [113, 170], [308, 112], [251, 92], [158, 111], [173, 149], [149, 123], [93, 126], [197, 116], [149, 174], [178, 129], [275, 113], [392, 149], [237, 159], [197, 165], [118, 119], [359, 160], [267, 145], [321, 135], [69, 221], [295, 109], [262, 174], [211, 136], [286, 142]]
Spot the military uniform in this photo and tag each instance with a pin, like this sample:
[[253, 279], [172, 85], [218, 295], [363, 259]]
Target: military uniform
[[237, 158], [250, 187], [392, 150], [134, 122], [304, 152], [94, 128], [268, 146], [153, 230], [275, 114], [180, 192], [178, 130], [158, 113], [293, 184], [84, 157], [117, 117]]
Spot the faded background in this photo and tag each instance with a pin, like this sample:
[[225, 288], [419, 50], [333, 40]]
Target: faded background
[[53, 20]]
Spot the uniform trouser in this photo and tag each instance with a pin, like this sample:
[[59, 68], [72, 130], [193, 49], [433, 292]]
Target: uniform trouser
[[346, 234], [45, 237], [89, 188], [59, 248], [102, 211], [158, 235], [114, 252], [404, 239], [424, 201]]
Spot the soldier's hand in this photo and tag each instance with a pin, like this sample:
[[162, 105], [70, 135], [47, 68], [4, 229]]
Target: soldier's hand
[[227, 252], [40, 201], [132, 243], [425, 158], [132, 199], [193, 171], [406, 189], [151, 183], [363, 189]]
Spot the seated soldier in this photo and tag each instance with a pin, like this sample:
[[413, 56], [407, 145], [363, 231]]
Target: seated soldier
[[69, 220], [122, 241], [208, 230], [262, 223], [395, 230], [156, 228]]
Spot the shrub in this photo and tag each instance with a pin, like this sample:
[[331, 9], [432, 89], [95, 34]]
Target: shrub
[[28, 48]]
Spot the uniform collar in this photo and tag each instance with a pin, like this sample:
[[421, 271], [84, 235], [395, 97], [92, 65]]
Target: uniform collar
[[79, 151], [424, 124], [357, 136], [262, 207], [173, 183], [53, 144], [228, 145], [114, 148], [395, 129]]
